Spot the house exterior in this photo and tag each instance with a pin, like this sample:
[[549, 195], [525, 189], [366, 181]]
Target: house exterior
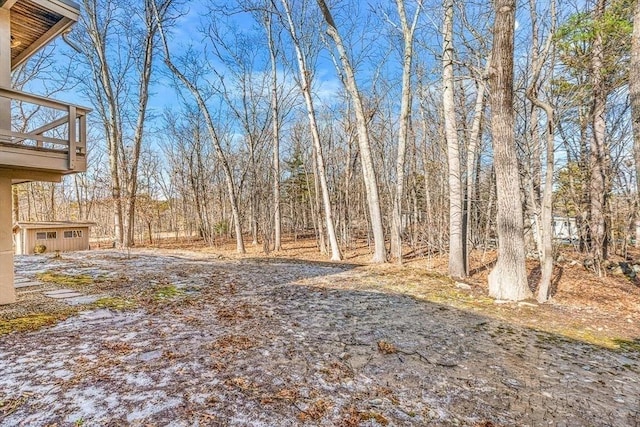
[[63, 236], [565, 228], [48, 149]]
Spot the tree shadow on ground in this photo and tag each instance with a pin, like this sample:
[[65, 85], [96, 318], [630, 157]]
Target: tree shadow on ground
[[535, 275], [483, 267], [297, 341], [341, 265], [420, 253]]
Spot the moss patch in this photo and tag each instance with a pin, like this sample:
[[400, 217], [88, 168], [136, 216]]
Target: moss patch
[[115, 303], [167, 292], [65, 279], [33, 322], [628, 345]]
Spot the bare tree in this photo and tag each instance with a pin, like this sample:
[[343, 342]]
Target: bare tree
[[305, 83], [145, 67], [634, 95], [598, 156], [457, 262], [539, 58], [508, 279], [275, 123], [213, 134], [366, 158], [408, 32], [112, 77]]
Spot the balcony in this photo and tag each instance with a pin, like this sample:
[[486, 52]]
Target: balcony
[[57, 145]]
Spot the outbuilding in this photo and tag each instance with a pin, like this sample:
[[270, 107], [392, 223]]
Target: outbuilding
[[38, 237]]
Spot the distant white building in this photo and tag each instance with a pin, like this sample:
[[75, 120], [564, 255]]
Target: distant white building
[[564, 228], [52, 236]]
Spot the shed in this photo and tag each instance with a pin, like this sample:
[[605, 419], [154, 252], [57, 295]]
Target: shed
[[63, 236]]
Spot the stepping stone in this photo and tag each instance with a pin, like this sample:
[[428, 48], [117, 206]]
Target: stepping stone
[[96, 315], [65, 296], [150, 355], [27, 284], [85, 299], [60, 291]]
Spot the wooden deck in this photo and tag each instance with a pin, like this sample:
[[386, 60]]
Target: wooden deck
[[57, 146]]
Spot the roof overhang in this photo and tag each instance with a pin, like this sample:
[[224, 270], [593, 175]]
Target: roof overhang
[[32, 225], [34, 23]]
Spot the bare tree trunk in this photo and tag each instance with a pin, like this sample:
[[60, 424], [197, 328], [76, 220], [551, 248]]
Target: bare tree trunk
[[457, 263], [79, 197], [546, 227], [472, 160], [508, 279], [368, 172], [317, 209], [15, 203], [634, 95], [403, 132], [275, 111], [253, 205], [143, 98], [305, 86], [597, 157]]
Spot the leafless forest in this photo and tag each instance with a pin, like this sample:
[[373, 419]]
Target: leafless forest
[[431, 127]]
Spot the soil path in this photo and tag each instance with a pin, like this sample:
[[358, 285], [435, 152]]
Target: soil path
[[272, 343]]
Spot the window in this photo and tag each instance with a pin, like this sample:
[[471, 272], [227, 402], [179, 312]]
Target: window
[[46, 235], [72, 234]]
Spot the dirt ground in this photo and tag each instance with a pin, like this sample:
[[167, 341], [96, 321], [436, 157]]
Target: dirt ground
[[185, 335]]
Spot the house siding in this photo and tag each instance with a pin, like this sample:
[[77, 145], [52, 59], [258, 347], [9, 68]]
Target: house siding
[[26, 240]]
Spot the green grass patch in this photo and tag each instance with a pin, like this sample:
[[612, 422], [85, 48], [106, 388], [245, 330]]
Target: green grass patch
[[65, 279]]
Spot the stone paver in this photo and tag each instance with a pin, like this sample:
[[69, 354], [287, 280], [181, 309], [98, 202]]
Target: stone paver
[[63, 293]]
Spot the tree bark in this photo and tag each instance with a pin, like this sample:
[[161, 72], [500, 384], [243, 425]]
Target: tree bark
[[472, 160], [275, 123], [634, 95], [597, 156], [508, 279], [546, 226], [457, 263]]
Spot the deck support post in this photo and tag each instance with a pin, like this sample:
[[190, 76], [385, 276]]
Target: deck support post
[[5, 66], [7, 288]]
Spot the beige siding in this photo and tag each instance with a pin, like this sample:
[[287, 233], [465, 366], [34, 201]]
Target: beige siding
[[60, 243]]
